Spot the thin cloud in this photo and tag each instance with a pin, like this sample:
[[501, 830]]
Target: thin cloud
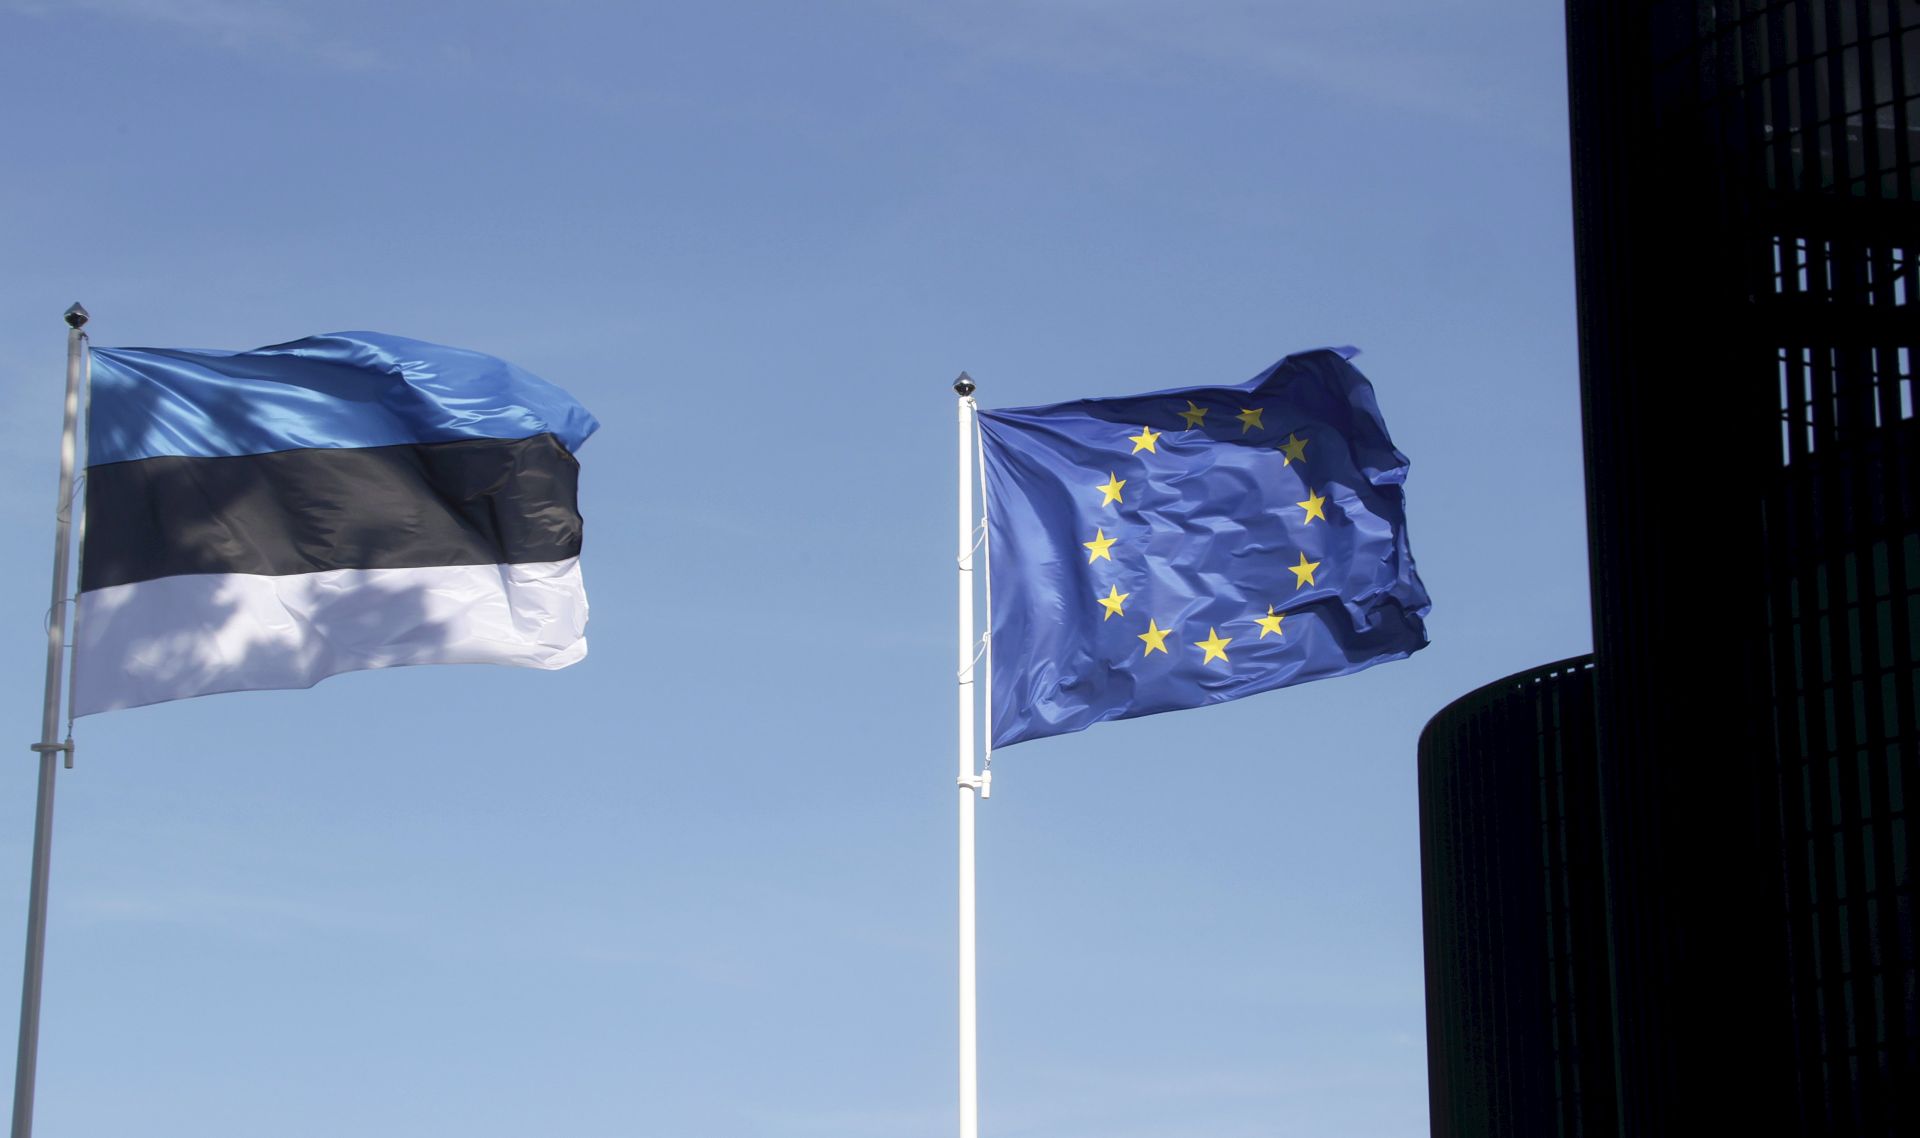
[[855, 1122], [1397, 57], [234, 914], [278, 31]]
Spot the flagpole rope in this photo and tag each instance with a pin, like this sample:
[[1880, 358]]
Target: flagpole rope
[[986, 638], [977, 653], [979, 539], [80, 533]]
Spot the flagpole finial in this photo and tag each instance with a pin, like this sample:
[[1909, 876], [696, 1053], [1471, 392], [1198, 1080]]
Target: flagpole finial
[[76, 316], [962, 387]]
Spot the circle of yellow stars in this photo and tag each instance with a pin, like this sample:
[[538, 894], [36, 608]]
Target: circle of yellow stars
[[1112, 493]]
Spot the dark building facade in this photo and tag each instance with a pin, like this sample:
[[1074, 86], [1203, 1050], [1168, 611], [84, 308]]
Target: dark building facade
[[1518, 1021], [1747, 245]]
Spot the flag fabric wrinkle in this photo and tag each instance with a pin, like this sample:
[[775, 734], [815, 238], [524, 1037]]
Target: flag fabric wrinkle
[[266, 519], [1193, 545]]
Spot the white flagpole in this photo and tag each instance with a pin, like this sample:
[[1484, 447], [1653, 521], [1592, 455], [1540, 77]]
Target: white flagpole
[[49, 746], [970, 782]]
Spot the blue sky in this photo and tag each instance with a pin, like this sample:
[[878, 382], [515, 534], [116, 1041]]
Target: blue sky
[[702, 884]]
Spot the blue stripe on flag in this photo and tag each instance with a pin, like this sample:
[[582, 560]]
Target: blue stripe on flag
[[346, 389]]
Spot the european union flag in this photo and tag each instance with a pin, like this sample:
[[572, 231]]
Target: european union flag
[[1191, 546]]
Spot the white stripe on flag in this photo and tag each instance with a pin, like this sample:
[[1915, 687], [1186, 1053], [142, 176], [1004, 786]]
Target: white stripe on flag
[[176, 637]]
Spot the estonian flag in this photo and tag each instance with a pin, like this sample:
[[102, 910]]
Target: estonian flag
[[267, 519]]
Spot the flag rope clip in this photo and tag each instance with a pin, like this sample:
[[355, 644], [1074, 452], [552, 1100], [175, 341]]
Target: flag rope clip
[[54, 749], [981, 784]]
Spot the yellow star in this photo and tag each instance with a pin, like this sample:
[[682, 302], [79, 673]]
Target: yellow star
[[1101, 545], [1112, 602], [1144, 440], [1314, 506], [1270, 622], [1303, 572], [1111, 489], [1195, 415], [1295, 448], [1250, 419], [1213, 646], [1156, 638]]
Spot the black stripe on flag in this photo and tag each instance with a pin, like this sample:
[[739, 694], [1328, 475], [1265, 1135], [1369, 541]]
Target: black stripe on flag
[[469, 502]]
